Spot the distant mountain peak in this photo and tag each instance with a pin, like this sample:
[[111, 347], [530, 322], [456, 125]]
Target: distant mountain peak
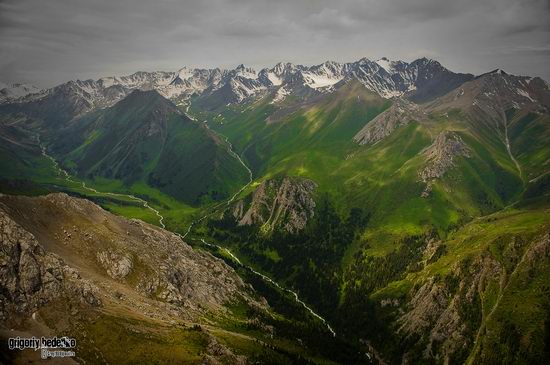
[[426, 60], [386, 64], [152, 98], [184, 73], [495, 72], [14, 91], [246, 72], [498, 71]]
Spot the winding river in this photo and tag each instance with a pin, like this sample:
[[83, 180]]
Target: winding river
[[69, 178]]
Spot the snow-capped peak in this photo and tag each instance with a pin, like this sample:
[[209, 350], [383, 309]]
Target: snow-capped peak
[[281, 67], [386, 64], [185, 73], [246, 72]]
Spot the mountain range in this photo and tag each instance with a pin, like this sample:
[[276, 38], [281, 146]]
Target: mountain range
[[421, 80], [406, 204]]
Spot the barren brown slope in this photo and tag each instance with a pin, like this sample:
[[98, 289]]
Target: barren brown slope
[[70, 268]]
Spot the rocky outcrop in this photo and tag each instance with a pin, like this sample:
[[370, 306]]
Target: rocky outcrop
[[446, 316], [31, 277], [401, 113], [117, 265], [218, 354], [440, 156], [181, 276], [285, 203]]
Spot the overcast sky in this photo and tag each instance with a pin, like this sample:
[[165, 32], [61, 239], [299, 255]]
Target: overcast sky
[[46, 42]]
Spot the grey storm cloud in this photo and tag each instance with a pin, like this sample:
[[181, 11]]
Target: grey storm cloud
[[49, 42]]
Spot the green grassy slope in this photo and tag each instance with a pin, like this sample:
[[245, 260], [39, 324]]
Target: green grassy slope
[[145, 139], [335, 263], [504, 258], [372, 228], [316, 142]]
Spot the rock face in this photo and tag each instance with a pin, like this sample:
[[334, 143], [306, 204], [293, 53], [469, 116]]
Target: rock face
[[218, 354], [487, 98], [401, 113], [285, 203], [88, 251], [446, 317], [31, 277], [440, 156], [117, 265]]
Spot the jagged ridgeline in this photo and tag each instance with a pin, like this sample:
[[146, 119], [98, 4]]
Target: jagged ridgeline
[[405, 203]]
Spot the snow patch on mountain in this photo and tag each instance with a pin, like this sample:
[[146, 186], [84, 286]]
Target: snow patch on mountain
[[280, 95], [274, 79], [386, 64], [524, 94], [10, 92], [318, 81]]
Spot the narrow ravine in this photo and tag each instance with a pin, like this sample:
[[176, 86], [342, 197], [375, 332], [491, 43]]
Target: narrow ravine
[[509, 148], [268, 279], [237, 157], [235, 258]]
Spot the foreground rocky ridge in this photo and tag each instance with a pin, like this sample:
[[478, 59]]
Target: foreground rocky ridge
[[59, 249], [154, 262]]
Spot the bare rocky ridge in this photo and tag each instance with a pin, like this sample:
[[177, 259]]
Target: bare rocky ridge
[[440, 156], [487, 97], [400, 113], [285, 203]]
